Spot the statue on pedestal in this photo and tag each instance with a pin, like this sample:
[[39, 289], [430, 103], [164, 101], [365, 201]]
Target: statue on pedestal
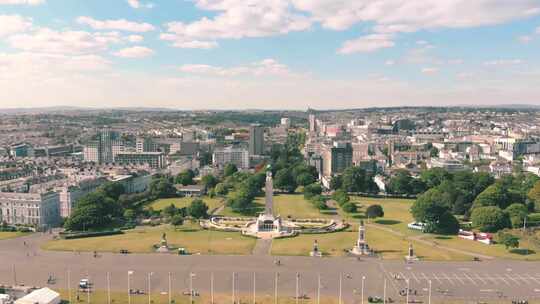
[[315, 252]]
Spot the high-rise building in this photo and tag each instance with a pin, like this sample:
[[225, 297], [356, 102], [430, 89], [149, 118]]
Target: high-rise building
[[312, 123], [256, 140], [154, 160], [235, 155], [336, 158], [285, 122], [103, 149]]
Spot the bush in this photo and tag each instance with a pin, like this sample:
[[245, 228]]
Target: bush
[[177, 220], [490, 219], [349, 208], [374, 211]]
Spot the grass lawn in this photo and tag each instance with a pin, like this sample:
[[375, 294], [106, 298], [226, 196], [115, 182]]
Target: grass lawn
[[396, 212], [11, 235], [495, 250], [388, 245], [100, 296], [141, 240], [181, 202], [285, 204]]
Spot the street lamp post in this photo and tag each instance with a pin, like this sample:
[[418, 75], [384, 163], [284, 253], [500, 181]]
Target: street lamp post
[[254, 287], [130, 273], [89, 288], [191, 275], [149, 287], [69, 285], [384, 291], [297, 287], [233, 287], [212, 288], [170, 289], [319, 289], [276, 288], [408, 288], [108, 287], [429, 294], [339, 297], [363, 280]]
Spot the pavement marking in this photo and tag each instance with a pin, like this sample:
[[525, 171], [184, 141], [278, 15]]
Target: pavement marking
[[502, 279], [459, 279], [415, 278], [491, 279], [478, 277], [532, 278], [470, 279], [425, 277], [523, 279], [446, 277], [517, 282], [437, 278], [401, 275]]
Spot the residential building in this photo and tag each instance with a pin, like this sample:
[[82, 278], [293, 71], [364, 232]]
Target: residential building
[[256, 139], [336, 158], [37, 209], [155, 160], [230, 154]]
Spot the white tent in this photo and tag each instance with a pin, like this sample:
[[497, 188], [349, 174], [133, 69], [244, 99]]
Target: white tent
[[41, 296]]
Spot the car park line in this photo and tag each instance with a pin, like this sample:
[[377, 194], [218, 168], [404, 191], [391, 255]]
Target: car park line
[[480, 278], [448, 278], [502, 279], [459, 279], [513, 279], [470, 279], [415, 278], [533, 278]]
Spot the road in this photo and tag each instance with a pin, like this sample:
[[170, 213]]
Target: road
[[27, 264]]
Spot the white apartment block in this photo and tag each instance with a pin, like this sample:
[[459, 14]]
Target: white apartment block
[[37, 209], [235, 155]]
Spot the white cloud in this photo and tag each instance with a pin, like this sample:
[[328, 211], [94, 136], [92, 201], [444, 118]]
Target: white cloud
[[11, 24], [405, 16], [63, 42], [134, 52], [135, 38], [503, 62], [237, 19], [120, 25], [430, 70], [23, 64], [390, 62], [525, 38], [21, 2], [266, 67], [366, 44], [138, 4], [179, 42]]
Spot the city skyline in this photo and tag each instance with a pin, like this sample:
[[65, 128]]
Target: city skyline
[[277, 54]]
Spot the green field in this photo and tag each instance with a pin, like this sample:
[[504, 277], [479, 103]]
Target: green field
[[10, 235], [181, 202], [141, 240], [386, 244], [496, 250], [101, 297], [285, 204]]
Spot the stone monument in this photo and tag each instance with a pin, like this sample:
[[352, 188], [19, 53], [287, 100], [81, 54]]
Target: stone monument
[[163, 247], [361, 247], [410, 254], [267, 222], [316, 252]]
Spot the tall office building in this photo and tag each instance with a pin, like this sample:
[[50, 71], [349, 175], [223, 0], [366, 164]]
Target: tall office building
[[256, 140], [103, 149], [337, 158], [312, 123]]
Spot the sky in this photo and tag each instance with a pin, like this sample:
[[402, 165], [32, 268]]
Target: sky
[[268, 54]]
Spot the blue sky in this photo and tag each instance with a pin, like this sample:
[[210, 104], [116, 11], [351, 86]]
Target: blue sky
[[202, 54]]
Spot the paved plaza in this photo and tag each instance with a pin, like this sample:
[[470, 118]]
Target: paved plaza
[[22, 262]]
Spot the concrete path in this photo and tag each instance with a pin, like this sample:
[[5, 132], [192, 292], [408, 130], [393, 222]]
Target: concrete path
[[262, 247]]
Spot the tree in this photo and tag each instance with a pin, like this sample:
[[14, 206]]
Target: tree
[[304, 179], [221, 189], [341, 197], [186, 177], [230, 169], [517, 213], [508, 240], [94, 211], [177, 220], [198, 209], [162, 187], [112, 190], [434, 177], [447, 224], [349, 207], [170, 210], [429, 208], [129, 214], [374, 211], [336, 182], [494, 195], [489, 219], [354, 179], [209, 181], [534, 195], [285, 181], [312, 190], [319, 202]]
